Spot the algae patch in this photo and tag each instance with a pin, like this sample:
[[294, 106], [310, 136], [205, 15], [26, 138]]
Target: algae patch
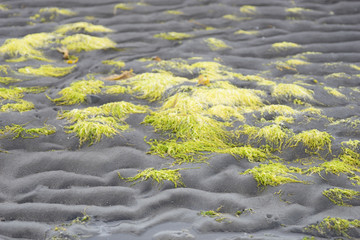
[[47, 70], [173, 36], [158, 176], [82, 27], [340, 196], [216, 44], [16, 131], [82, 42]]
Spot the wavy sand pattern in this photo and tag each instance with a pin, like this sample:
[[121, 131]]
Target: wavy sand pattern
[[191, 119]]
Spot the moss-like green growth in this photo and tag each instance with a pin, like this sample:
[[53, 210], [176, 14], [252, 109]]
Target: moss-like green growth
[[173, 35], [22, 49], [47, 70], [283, 119], [16, 131], [248, 10], [338, 75], [9, 80], [296, 10], [334, 92], [77, 91], [158, 176], [248, 152], [273, 135], [280, 46], [225, 112], [282, 110], [82, 27], [19, 106], [338, 195], [273, 174], [314, 140], [3, 7], [118, 64], [228, 96], [11, 93], [115, 90], [333, 226], [289, 91], [61, 11], [290, 64], [83, 42], [122, 6], [90, 124], [153, 85], [174, 12], [93, 129], [216, 44], [235, 18], [250, 32], [213, 214]]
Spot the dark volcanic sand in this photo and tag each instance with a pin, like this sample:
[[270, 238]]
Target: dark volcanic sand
[[47, 182]]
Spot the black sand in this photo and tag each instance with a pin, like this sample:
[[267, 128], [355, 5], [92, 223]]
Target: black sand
[[48, 182]]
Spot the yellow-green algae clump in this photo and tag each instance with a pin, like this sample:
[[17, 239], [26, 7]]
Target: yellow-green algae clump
[[279, 46], [338, 195], [173, 35], [16, 131], [153, 85], [77, 91], [216, 44], [82, 42], [273, 174], [330, 226], [288, 91], [158, 176], [248, 9], [314, 140], [47, 71], [82, 27], [28, 47], [92, 123]]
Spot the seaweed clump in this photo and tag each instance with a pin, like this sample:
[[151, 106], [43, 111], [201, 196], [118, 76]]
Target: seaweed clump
[[92, 123], [314, 140], [216, 44], [173, 35], [77, 91], [82, 42], [338, 196], [273, 174], [158, 176], [16, 131], [329, 226], [279, 46], [289, 91], [82, 27], [47, 71]]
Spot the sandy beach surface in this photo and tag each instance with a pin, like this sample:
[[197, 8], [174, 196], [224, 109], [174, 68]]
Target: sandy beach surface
[[181, 119]]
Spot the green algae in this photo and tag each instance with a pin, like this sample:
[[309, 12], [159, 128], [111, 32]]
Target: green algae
[[95, 128], [82, 27], [296, 10], [82, 42], [225, 112], [245, 32], [282, 110], [174, 12], [22, 49], [314, 140], [61, 11], [118, 64], [115, 90], [250, 153], [273, 174], [216, 214], [334, 92], [337, 75], [3, 7], [122, 6], [50, 14], [153, 85], [330, 226], [16, 131], [235, 18], [248, 10], [216, 44], [289, 91], [158, 176], [339, 196], [47, 70], [77, 91], [19, 106], [281, 46], [173, 36], [92, 123]]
